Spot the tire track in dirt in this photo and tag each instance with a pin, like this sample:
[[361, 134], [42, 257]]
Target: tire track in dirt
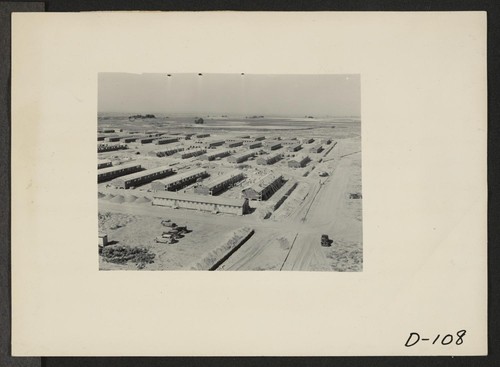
[[288, 254], [307, 254]]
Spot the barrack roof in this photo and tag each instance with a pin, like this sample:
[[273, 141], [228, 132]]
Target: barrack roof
[[181, 176], [264, 182], [300, 158], [273, 143], [168, 138], [140, 174], [272, 155], [244, 154], [218, 180], [117, 168], [168, 149], [216, 141], [217, 152], [199, 198]]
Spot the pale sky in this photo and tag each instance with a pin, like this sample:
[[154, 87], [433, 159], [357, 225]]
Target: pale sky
[[231, 94]]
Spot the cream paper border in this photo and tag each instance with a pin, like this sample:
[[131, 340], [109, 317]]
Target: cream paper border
[[423, 79]]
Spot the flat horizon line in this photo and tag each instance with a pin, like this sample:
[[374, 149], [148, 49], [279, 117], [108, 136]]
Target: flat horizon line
[[224, 115]]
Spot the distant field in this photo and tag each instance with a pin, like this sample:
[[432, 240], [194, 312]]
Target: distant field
[[212, 122]]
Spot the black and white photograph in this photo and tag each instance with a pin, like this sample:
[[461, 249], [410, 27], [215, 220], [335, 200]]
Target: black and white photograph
[[268, 184], [204, 171]]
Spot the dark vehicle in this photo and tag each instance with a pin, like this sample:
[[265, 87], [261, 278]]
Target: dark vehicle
[[325, 241], [173, 232], [182, 228]]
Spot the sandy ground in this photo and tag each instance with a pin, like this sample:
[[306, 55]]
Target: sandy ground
[[140, 230], [288, 240]]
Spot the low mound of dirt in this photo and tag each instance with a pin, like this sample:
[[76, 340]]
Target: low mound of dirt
[[212, 259], [118, 199], [143, 199], [100, 195], [130, 198]]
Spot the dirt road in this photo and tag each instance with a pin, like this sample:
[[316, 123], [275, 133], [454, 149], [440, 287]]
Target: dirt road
[[325, 216], [306, 254]]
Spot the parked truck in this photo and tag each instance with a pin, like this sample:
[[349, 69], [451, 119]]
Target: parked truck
[[325, 241]]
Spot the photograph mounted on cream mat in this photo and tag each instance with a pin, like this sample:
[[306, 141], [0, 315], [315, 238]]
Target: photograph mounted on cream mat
[[229, 172], [268, 184]]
